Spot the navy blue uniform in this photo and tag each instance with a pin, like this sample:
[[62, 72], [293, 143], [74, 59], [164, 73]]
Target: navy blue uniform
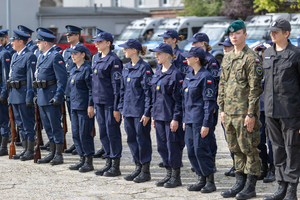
[[31, 46], [50, 68], [180, 62], [5, 59], [134, 103], [22, 70], [199, 99], [80, 82], [9, 48], [166, 98], [107, 74], [37, 52]]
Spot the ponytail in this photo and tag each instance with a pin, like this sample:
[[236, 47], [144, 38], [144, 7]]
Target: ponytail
[[144, 50], [207, 46]]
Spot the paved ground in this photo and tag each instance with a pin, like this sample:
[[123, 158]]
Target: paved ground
[[27, 180]]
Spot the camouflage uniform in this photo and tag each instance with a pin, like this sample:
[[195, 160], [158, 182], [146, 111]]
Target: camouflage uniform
[[239, 93]]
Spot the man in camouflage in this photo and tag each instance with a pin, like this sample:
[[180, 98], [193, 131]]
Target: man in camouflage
[[239, 93]]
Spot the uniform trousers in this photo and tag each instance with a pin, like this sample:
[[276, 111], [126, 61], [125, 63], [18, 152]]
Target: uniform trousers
[[264, 155], [4, 120]]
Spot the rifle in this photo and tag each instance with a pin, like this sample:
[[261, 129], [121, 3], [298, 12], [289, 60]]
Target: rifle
[[12, 147], [65, 126], [37, 151]]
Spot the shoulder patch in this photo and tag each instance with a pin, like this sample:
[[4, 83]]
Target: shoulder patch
[[259, 70], [117, 75], [257, 60], [60, 62], [209, 92]]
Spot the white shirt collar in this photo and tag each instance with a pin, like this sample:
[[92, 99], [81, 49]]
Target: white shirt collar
[[19, 53], [47, 51]]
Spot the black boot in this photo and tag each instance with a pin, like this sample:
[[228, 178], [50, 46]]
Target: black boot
[[144, 175], [58, 158], [239, 185], [291, 193], [192, 169], [17, 156], [214, 159], [271, 174], [115, 168], [45, 146], [50, 155], [88, 165], [231, 171], [3, 149], [210, 184], [199, 185], [249, 189], [107, 166], [99, 153], [19, 144], [161, 164], [79, 164], [175, 179], [135, 173], [280, 193], [74, 152], [167, 177], [69, 150], [29, 154], [264, 171]]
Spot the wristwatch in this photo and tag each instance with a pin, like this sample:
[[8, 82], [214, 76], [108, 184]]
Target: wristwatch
[[250, 115]]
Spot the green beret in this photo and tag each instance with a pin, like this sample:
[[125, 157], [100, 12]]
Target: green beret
[[235, 26]]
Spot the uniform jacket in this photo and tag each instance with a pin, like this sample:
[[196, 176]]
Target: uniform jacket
[[240, 83], [31, 46], [107, 74], [9, 48], [37, 52], [5, 59], [22, 68], [180, 62], [282, 82], [212, 66], [199, 98], [80, 82], [51, 67], [136, 90], [166, 95]]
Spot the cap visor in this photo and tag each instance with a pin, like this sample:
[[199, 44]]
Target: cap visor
[[227, 44], [164, 35], [273, 29], [98, 39], [192, 40], [156, 50], [187, 54], [124, 46], [73, 50]]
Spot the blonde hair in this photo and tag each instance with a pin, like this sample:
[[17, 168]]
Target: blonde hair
[[173, 56], [143, 51], [181, 37], [207, 46]]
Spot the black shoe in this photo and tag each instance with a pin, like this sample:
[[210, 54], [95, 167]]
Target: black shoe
[[144, 175], [17, 156], [58, 158], [249, 189], [50, 156], [210, 184], [99, 153], [291, 193], [3, 149], [107, 166], [264, 171], [74, 152], [239, 185], [167, 177], [45, 146], [135, 173], [29, 154], [19, 144], [161, 164], [69, 150], [88, 165], [230, 172], [271, 174], [115, 168], [280, 193], [175, 179], [79, 164], [199, 185], [192, 169]]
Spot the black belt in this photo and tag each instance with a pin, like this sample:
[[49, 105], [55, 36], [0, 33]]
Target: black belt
[[16, 84], [51, 82], [43, 84]]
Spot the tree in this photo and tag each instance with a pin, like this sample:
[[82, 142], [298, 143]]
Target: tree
[[290, 6], [201, 7], [237, 9]]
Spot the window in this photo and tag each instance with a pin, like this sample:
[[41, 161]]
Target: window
[[183, 32], [89, 39], [166, 2], [140, 2], [116, 3]]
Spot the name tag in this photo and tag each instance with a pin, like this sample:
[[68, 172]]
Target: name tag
[[267, 58]]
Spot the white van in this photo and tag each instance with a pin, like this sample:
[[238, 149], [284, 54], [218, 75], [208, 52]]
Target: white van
[[295, 25]]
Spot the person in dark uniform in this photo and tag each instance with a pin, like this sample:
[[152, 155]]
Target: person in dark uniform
[[73, 36], [107, 74], [21, 95], [167, 114], [281, 65], [135, 105], [5, 41], [82, 109], [30, 45], [51, 77], [5, 59], [198, 102]]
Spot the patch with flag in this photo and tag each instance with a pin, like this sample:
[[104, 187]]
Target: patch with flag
[[91, 75], [60, 62], [208, 82], [148, 72], [185, 61], [181, 81], [33, 63], [116, 66], [257, 60], [60, 51], [7, 60], [214, 64]]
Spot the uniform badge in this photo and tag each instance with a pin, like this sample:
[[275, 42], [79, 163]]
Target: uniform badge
[[33, 63], [209, 82], [181, 81], [149, 81], [214, 64], [116, 66], [257, 60], [267, 58], [23, 52], [231, 29], [128, 79], [72, 81], [7, 60], [60, 62], [185, 61], [148, 72], [215, 72], [117, 75], [259, 70], [186, 89], [274, 23], [209, 92]]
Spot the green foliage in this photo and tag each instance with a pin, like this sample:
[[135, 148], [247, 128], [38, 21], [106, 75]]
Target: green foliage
[[201, 7], [276, 5]]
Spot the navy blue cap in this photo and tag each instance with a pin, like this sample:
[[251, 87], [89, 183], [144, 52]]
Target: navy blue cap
[[20, 35], [44, 36], [226, 43], [98, 30], [4, 32], [199, 37], [170, 33], [133, 44], [194, 51], [73, 29], [25, 29], [104, 36], [263, 46], [44, 30], [163, 47], [77, 48]]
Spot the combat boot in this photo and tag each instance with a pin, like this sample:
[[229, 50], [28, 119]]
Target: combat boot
[[115, 168], [45, 146], [167, 177], [135, 173], [0, 139], [210, 184], [161, 164], [50, 155], [3, 149], [291, 193], [29, 154], [17, 156], [107, 166], [249, 189], [271, 174], [239, 185], [99, 153], [264, 171], [175, 179], [74, 152], [58, 158], [280, 193], [231, 171], [69, 150], [79, 164], [144, 175], [214, 159], [199, 185], [88, 165]]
